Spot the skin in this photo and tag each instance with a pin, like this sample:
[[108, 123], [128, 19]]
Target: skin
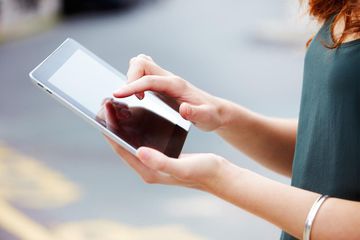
[[269, 141]]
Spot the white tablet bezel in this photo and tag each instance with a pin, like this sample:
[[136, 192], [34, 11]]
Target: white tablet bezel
[[43, 72]]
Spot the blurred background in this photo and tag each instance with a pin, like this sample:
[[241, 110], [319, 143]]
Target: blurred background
[[60, 180]]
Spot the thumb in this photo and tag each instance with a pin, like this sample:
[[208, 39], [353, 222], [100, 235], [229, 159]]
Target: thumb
[[193, 113], [159, 162]]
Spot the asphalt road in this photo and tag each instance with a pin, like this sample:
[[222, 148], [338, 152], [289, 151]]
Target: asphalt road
[[60, 179]]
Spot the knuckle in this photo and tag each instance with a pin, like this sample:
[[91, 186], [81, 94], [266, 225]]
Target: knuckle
[[137, 66], [161, 166], [132, 60], [144, 56], [139, 61], [141, 55]]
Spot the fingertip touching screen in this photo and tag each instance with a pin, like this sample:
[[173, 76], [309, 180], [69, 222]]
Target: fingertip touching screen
[[148, 122]]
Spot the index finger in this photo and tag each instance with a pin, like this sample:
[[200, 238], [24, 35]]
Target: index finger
[[171, 86], [143, 65], [140, 66]]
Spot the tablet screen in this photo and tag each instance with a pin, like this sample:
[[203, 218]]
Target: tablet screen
[[90, 84]]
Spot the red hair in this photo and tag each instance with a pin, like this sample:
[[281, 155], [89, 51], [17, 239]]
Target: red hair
[[346, 10]]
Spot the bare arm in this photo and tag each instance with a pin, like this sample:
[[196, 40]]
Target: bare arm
[[280, 204], [286, 206], [269, 141]]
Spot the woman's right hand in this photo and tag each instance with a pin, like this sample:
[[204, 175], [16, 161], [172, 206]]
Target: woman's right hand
[[202, 109]]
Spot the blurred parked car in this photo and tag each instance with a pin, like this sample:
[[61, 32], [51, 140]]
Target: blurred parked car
[[75, 6], [21, 17]]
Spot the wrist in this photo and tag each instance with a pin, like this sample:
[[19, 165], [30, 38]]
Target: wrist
[[224, 111], [234, 116], [225, 174]]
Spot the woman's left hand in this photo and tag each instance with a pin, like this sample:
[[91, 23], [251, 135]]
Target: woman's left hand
[[200, 171]]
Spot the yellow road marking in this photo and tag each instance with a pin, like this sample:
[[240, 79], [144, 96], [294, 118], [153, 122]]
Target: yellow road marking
[[19, 225], [30, 183]]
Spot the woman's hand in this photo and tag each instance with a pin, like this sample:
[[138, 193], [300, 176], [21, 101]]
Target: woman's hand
[[195, 105], [200, 171]]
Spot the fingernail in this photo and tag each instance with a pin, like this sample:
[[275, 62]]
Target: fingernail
[[139, 96]]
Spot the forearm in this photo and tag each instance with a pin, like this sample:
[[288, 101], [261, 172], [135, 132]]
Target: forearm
[[269, 141], [286, 206]]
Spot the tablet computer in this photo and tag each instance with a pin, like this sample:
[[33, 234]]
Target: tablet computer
[[85, 83]]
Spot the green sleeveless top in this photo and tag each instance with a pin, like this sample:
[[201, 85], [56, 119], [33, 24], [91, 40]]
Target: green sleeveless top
[[327, 154]]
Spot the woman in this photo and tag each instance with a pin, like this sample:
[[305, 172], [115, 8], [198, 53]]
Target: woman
[[321, 151]]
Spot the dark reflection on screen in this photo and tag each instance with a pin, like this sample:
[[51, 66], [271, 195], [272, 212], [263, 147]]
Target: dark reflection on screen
[[89, 84], [138, 126]]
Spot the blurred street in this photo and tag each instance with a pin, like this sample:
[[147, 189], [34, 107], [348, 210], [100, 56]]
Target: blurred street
[[58, 177]]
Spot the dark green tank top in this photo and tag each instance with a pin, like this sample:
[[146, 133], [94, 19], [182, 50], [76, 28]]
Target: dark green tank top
[[327, 155]]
